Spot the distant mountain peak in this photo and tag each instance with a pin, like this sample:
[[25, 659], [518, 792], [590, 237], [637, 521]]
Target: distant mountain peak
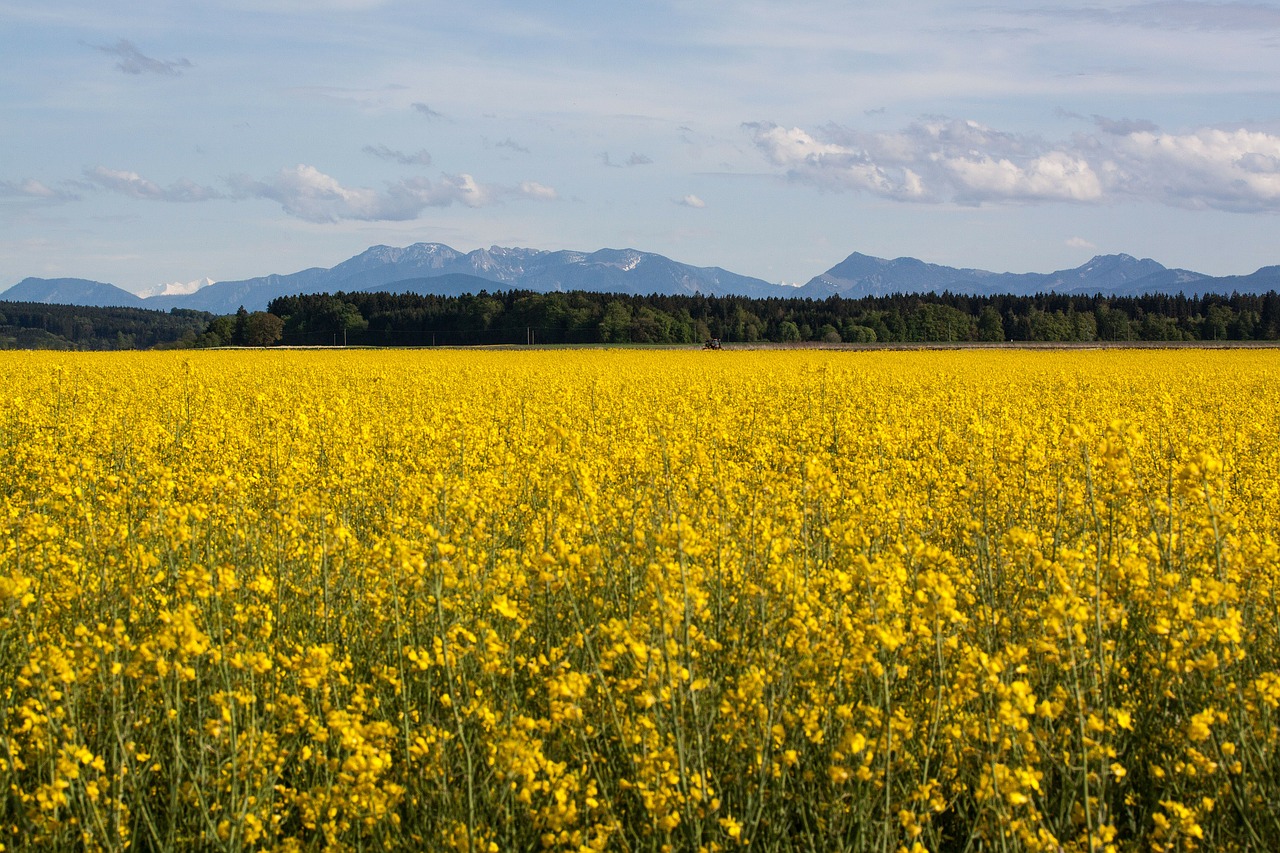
[[508, 251], [1118, 258], [176, 288], [71, 291], [1119, 274]]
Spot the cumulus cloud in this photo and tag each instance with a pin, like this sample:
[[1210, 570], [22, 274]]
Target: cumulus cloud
[[134, 185], [31, 188], [134, 61], [382, 152], [1055, 176], [1079, 243], [1223, 169], [308, 193], [940, 160], [693, 201], [784, 147]]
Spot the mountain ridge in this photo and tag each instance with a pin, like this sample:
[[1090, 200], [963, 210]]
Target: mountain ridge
[[438, 268], [72, 291]]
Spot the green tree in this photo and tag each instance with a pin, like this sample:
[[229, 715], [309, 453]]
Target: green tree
[[874, 320], [615, 327], [1083, 326], [1049, 326], [1245, 326], [828, 334], [936, 322], [745, 325], [1112, 325], [481, 310], [239, 329], [650, 326], [262, 329], [856, 334], [788, 332], [1157, 327], [683, 327], [219, 332], [990, 324], [341, 319], [1217, 323]]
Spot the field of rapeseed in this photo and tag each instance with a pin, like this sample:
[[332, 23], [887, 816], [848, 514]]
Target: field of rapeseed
[[640, 601]]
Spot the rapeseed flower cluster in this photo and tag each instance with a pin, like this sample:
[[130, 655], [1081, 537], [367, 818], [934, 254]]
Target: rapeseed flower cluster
[[646, 601]]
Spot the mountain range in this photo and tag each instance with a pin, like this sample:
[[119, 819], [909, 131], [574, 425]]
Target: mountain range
[[1113, 275], [433, 268]]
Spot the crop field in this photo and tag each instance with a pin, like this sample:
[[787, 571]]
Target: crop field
[[640, 601]]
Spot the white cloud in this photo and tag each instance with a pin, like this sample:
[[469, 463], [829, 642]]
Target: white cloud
[[308, 193], [134, 185], [693, 201], [31, 188], [1079, 243], [877, 165], [533, 189], [1228, 170], [945, 160], [785, 147], [1054, 177]]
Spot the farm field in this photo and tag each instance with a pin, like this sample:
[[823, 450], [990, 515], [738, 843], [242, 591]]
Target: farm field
[[641, 601]]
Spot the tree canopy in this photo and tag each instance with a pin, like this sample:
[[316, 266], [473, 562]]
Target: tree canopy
[[524, 317], [520, 317]]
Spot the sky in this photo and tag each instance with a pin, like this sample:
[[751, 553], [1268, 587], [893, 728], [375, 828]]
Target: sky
[[148, 142]]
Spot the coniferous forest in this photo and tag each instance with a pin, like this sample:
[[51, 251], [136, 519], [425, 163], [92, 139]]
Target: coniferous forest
[[521, 317], [34, 325], [524, 317]]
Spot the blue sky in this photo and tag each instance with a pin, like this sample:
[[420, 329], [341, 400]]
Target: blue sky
[[150, 142]]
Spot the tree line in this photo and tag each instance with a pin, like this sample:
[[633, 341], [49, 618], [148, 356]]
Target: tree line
[[34, 325], [524, 317]]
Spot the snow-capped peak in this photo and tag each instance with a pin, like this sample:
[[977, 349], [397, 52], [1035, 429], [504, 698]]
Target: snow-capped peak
[[176, 288]]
